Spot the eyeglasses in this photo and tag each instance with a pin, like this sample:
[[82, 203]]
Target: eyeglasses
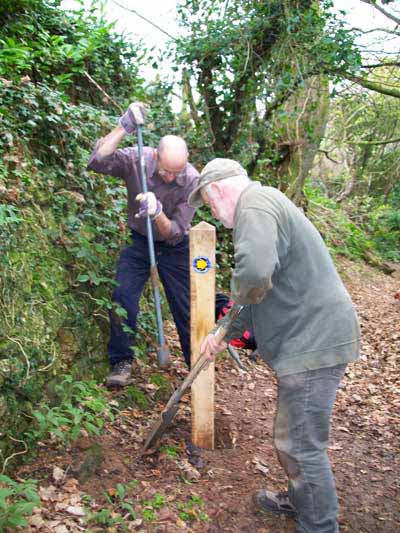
[[166, 173]]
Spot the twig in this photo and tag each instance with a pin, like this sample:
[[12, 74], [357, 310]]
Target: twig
[[49, 365], [14, 454], [145, 19], [28, 365], [247, 57], [321, 206], [380, 65], [385, 30], [375, 143], [383, 11], [326, 152], [103, 91]]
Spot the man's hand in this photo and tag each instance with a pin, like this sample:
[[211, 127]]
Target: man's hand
[[149, 205], [134, 116], [211, 347]]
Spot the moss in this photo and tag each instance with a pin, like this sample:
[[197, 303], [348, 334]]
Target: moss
[[92, 464], [164, 390], [132, 395]]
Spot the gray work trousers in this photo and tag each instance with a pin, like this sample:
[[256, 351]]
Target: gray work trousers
[[301, 433]]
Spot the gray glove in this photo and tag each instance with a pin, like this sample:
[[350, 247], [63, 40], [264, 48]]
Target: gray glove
[[134, 116]]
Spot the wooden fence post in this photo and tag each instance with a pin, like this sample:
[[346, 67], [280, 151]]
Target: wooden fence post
[[202, 319]]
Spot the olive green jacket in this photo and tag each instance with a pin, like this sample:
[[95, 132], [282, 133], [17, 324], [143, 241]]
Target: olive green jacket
[[295, 302]]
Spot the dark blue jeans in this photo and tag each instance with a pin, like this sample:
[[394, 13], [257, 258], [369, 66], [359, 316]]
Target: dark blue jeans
[[301, 433], [133, 271]]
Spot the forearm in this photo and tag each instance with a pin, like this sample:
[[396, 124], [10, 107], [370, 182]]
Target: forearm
[[108, 144], [164, 225]]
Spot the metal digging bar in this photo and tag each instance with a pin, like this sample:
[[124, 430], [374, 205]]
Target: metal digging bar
[[162, 349]]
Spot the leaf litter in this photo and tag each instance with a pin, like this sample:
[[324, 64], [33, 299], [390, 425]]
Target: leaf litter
[[364, 445]]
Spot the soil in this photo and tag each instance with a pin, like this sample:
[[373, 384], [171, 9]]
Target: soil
[[214, 493]]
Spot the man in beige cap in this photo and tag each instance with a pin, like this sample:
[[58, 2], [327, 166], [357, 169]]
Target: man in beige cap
[[304, 324]]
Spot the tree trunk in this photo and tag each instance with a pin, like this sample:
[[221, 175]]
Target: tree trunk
[[307, 113]]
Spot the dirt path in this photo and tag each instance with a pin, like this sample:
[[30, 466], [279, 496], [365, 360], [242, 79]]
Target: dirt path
[[168, 494]]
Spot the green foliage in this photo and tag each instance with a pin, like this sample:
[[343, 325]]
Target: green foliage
[[17, 501], [192, 509], [341, 234], [363, 146], [53, 234], [151, 506], [9, 215], [132, 395], [247, 69], [171, 451], [56, 47], [121, 508], [359, 126], [104, 517], [384, 223], [60, 226], [79, 405], [164, 390]]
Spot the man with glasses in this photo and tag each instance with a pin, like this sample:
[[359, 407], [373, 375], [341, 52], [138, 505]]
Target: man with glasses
[[170, 180]]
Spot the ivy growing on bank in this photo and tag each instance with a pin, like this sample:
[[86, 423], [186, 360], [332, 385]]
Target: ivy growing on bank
[[60, 226]]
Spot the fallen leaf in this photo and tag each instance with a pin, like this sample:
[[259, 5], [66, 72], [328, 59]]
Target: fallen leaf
[[58, 474], [342, 428], [36, 521], [191, 472], [166, 514], [48, 494], [76, 511], [180, 523], [260, 466], [71, 485], [61, 529]]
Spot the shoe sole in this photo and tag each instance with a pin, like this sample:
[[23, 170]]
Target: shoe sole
[[258, 508], [114, 385]]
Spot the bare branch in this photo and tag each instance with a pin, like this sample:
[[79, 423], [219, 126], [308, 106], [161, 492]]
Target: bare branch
[[326, 152], [375, 143], [372, 85], [89, 77], [383, 30], [145, 19], [380, 65], [383, 11]]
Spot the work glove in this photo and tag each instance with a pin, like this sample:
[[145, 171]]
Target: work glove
[[149, 205], [134, 116]]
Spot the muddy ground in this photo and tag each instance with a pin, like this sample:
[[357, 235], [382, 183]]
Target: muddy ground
[[176, 490]]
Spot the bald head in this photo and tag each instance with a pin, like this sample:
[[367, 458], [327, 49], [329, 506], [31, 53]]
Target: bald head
[[172, 157], [172, 151]]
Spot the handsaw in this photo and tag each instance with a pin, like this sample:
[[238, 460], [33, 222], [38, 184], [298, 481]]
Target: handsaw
[[172, 406]]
